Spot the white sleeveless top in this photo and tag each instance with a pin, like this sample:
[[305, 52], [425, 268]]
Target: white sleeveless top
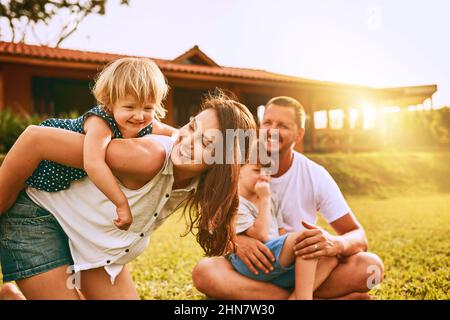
[[86, 216]]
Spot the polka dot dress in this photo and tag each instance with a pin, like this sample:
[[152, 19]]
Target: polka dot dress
[[50, 176]]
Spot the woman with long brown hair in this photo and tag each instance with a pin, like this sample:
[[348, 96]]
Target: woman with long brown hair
[[157, 175]]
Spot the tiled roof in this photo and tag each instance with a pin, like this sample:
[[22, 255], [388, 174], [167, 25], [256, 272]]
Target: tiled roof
[[69, 55], [33, 51], [176, 66]]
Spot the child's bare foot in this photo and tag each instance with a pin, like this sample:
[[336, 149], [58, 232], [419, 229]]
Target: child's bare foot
[[10, 291], [124, 218]]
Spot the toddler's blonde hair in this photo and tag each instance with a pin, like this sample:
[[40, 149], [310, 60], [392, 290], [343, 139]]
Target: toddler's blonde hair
[[136, 77]]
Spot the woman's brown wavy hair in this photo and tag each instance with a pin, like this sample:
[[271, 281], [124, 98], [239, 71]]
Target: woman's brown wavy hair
[[212, 207]]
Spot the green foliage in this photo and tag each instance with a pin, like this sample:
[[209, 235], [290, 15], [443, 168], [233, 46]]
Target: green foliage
[[23, 15], [411, 234], [383, 174], [418, 130], [44, 10], [440, 126], [69, 115], [12, 125]]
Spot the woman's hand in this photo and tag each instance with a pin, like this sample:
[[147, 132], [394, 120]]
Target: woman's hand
[[316, 242], [254, 254]]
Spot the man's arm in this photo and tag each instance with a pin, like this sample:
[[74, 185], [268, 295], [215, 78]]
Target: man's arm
[[316, 242], [351, 236]]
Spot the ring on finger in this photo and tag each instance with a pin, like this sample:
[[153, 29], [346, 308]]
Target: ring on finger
[[316, 246]]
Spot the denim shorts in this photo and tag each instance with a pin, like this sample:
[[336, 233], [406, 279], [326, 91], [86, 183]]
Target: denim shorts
[[283, 277], [31, 241]]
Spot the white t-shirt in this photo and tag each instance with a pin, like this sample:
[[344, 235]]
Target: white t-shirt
[[247, 213], [306, 189]]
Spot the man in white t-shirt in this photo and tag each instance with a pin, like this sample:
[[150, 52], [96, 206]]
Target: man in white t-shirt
[[303, 188]]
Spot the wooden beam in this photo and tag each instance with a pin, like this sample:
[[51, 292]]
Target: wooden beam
[[52, 63], [169, 106]]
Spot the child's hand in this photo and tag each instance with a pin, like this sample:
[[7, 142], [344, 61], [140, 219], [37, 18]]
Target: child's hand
[[124, 217], [262, 188]]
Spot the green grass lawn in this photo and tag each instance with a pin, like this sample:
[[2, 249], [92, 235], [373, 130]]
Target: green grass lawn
[[402, 200], [411, 234]]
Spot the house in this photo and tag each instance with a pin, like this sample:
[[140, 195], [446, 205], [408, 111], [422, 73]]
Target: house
[[39, 79]]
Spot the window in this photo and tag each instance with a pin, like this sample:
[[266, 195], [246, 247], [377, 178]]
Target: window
[[353, 115], [260, 112], [336, 119], [369, 119], [53, 96], [320, 120]]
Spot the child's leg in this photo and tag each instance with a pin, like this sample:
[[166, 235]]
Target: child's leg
[[96, 285], [309, 274], [9, 291], [305, 270], [34, 145], [324, 268], [305, 275]]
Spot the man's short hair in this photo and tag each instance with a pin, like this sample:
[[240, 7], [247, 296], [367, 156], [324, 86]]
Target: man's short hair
[[284, 101]]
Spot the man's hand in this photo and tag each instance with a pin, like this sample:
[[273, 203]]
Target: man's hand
[[254, 254], [315, 242]]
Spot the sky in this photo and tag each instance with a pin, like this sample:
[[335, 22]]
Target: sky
[[377, 43]]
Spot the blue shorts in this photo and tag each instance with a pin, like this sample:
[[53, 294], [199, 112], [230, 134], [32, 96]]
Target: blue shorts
[[31, 241], [283, 277]]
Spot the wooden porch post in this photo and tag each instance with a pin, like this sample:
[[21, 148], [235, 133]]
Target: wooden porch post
[[169, 119], [312, 124], [2, 90]]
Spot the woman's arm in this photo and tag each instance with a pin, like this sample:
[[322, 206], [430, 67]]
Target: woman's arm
[[136, 161], [26, 154], [163, 129]]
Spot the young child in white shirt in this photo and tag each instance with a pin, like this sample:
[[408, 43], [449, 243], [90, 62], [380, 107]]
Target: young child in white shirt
[[259, 217]]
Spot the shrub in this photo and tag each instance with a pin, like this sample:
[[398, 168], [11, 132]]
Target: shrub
[[12, 125]]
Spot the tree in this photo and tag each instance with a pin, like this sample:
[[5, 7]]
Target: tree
[[21, 17]]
